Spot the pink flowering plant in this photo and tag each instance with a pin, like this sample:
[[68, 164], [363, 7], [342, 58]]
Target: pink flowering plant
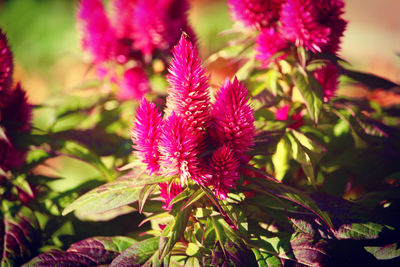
[[271, 167]]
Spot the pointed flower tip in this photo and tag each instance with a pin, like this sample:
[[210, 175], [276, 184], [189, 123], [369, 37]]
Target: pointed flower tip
[[146, 135], [6, 63], [188, 95], [233, 120]]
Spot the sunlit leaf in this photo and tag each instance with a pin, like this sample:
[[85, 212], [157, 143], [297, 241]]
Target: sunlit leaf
[[384, 252], [121, 192], [312, 93], [137, 254], [20, 234]]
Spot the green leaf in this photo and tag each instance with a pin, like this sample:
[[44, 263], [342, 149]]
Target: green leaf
[[370, 80], [311, 92], [192, 249], [385, 252], [20, 234], [288, 193], [194, 198], [174, 233], [145, 192], [281, 158], [112, 195], [265, 259], [137, 254]]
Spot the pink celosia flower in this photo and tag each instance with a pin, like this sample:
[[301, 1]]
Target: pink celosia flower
[[327, 76], [188, 95], [123, 18], [233, 120], [16, 113], [10, 156], [134, 85], [168, 194], [314, 24], [98, 34], [269, 42], [6, 64], [256, 13], [151, 24], [179, 147], [282, 114], [224, 168], [146, 135], [151, 27]]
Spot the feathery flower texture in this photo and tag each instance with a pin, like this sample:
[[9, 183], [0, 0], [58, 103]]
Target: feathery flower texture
[[269, 42], [327, 76], [138, 30], [314, 24], [188, 95], [256, 13], [233, 118], [224, 167], [186, 127], [15, 112], [146, 135]]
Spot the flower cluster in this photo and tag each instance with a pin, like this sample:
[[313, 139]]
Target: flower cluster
[[15, 112], [137, 31], [196, 140], [315, 25]]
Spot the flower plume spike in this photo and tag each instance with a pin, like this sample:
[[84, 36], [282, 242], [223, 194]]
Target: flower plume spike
[[146, 135], [314, 24], [224, 168], [188, 95], [328, 76], [98, 34], [6, 63], [256, 13], [179, 147], [233, 120]]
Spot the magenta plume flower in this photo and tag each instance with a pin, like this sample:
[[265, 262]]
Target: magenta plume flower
[[151, 24], [134, 85], [98, 35], [146, 135], [151, 27], [10, 156], [168, 192], [314, 24], [327, 76], [188, 95], [256, 13], [179, 147], [123, 18], [17, 112], [224, 168], [269, 42], [282, 114], [233, 120], [6, 64]]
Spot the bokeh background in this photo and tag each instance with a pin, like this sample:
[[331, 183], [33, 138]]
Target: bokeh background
[[44, 37]]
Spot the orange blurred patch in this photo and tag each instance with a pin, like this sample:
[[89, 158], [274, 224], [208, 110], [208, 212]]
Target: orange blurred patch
[[385, 98]]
